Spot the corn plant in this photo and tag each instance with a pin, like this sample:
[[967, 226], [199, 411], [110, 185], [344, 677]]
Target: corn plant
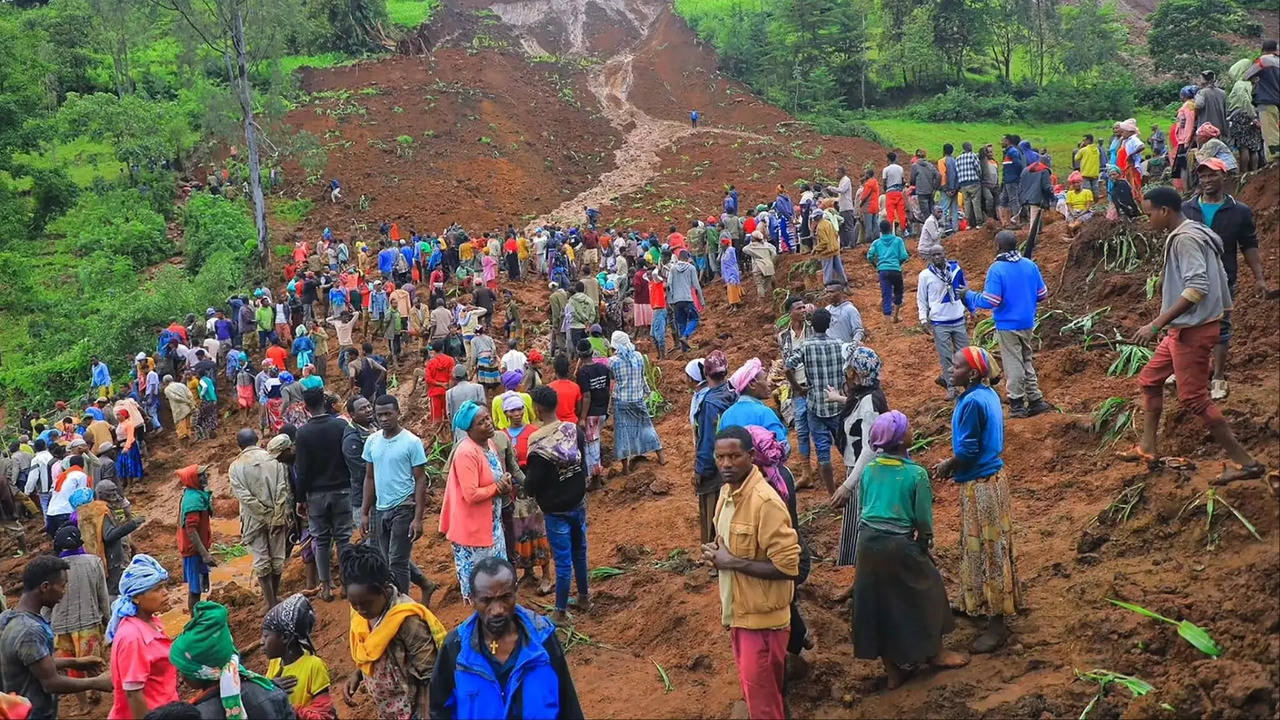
[[1084, 324], [924, 443], [1189, 631], [1210, 500], [662, 675], [1105, 679], [1121, 507], [1153, 282], [1121, 252], [654, 403], [1132, 359], [604, 573], [984, 335], [1112, 419]]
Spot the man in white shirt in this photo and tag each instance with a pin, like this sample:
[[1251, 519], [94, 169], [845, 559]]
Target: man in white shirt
[[59, 510], [513, 360], [939, 300], [895, 207], [844, 203], [931, 234], [38, 475]]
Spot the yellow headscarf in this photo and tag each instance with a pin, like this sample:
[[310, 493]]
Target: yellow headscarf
[[368, 645]]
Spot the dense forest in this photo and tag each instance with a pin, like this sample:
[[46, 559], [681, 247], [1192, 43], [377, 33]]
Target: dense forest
[[965, 60], [103, 105]]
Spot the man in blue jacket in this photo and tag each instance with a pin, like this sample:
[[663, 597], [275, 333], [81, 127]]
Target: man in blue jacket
[[1012, 290], [504, 661]]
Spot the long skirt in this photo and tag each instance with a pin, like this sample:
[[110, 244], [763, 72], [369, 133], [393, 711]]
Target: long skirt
[[86, 642], [513, 266], [129, 463], [988, 579], [734, 292], [530, 531], [466, 556], [900, 609], [206, 420], [847, 554], [633, 432], [487, 371], [642, 315]]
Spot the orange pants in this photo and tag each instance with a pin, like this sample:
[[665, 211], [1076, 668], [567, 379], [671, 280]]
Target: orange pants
[[895, 208]]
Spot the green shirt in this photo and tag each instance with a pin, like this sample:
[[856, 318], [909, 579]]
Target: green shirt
[[888, 252], [266, 318], [896, 496]]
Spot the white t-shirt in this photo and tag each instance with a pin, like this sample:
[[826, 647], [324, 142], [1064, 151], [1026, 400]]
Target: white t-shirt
[[60, 501], [892, 176], [514, 360], [212, 347]]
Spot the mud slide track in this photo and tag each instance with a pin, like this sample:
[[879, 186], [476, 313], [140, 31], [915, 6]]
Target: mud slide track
[[636, 159]]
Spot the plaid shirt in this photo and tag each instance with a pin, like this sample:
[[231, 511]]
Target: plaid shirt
[[630, 378], [968, 172], [823, 364]]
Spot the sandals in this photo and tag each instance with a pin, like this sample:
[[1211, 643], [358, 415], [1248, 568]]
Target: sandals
[[1240, 472]]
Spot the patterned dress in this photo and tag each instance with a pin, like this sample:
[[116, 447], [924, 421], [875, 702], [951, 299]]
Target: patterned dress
[[466, 556]]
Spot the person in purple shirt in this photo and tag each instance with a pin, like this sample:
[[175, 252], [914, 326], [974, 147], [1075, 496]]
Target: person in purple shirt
[[222, 327]]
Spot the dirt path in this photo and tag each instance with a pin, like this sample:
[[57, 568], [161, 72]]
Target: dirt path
[[636, 160]]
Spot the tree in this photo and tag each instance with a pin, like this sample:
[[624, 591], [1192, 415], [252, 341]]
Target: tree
[[1190, 35], [1091, 40], [1008, 26], [959, 28], [1043, 29]]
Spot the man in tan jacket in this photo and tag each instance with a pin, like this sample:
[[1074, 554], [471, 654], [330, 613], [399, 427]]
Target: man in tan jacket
[[261, 483], [757, 553]]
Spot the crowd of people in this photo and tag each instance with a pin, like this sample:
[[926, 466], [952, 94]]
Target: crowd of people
[[517, 420]]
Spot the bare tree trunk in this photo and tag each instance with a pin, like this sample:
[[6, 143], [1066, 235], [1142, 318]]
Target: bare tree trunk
[[240, 84]]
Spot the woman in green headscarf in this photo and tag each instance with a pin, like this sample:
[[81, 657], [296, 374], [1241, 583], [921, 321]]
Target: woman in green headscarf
[[1244, 132], [206, 658]]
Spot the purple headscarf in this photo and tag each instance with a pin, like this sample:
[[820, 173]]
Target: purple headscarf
[[769, 456], [888, 430], [511, 379]]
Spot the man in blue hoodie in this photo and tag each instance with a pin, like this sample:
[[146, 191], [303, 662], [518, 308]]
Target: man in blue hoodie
[[504, 661], [1012, 290]]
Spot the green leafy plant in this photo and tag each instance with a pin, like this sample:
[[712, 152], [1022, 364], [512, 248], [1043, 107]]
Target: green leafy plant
[[662, 675], [1084, 324], [292, 211], [655, 402], [1105, 679], [1112, 419], [1122, 506], [985, 336], [227, 552], [604, 573], [1131, 361], [1210, 500], [1153, 283], [924, 443], [1121, 251], [1189, 631]]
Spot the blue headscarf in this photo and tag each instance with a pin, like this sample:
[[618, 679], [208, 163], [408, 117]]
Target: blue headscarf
[[466, 415], [142, 574], [80, 497]]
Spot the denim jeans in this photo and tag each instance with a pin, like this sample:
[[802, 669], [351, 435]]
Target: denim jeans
[[822, 430], [890, 290], [593, 452], [567, 534], [658, 329], [391, 535], [329, 520], [800, 412], [686, 319], [833, 272]]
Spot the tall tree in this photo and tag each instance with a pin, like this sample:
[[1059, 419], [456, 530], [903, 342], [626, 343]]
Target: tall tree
[[1044, 24], [959, 29], [1008, 27], [1091, 39], [1190, 35]]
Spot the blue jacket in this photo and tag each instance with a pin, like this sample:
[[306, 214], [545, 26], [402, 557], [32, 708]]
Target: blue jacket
[[465, 687], [714, 403], [784, 206], [747, 411], [1011, 292], [386, 259], [977, 433]]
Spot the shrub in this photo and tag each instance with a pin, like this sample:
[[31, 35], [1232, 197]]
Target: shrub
[[959, 104], [213, 223], [118, 222], [52, 193]]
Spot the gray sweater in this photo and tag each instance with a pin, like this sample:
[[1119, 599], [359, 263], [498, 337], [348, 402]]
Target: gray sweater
[[1193, 269], [926, 178], [682, 282]]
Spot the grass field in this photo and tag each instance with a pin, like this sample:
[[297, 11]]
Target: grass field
[[1060, 138], [410, 13], [84, 160]]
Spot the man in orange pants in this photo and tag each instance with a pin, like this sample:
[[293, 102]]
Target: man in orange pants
[[895, 206]]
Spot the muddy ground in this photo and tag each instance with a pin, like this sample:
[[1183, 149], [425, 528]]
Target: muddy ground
[[557, 132]]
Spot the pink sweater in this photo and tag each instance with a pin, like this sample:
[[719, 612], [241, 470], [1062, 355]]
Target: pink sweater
[[466, 516]]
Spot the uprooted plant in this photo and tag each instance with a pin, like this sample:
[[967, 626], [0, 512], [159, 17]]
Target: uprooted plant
[[1131, 361], [1192, 633], [1210, 500], [1112, 419], [1105, 679], [1121, 507]]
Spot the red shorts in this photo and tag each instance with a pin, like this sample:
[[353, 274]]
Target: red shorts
[[1184, 352]]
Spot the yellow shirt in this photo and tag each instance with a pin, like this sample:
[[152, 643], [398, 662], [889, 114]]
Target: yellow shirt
[[568, 251], [1079, 200], [466, 250], [522, 248], [1090, 162], [312, 675], [724, 528]]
